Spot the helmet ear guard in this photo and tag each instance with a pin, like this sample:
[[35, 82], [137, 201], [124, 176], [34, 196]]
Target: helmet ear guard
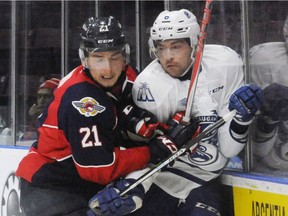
[[152, 49], [83, 58], [127, 53]]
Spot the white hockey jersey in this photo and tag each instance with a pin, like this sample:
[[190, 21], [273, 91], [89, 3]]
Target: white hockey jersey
[[159, 93], [269, 64]]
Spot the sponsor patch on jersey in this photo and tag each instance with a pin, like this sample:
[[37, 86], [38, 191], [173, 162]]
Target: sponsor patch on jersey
[[144, 94], [88, 106]]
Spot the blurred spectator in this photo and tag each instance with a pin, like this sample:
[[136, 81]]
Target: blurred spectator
[[44, 98], [269, 66]]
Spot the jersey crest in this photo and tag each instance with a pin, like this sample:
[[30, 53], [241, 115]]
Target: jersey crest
[[88, 106], [144, 94]]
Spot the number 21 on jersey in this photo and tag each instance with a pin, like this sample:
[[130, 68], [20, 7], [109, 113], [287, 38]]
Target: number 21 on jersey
[[90, 137]]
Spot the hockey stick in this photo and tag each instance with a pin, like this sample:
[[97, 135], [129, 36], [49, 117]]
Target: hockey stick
[[198, 58], [191, 145]]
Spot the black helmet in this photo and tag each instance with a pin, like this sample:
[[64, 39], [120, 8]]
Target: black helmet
[[101, 34]]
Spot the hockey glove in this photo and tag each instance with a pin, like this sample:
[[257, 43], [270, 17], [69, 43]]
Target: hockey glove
[[276, 102], [108, 202], [247, 100], [138, 121], [162, 147]]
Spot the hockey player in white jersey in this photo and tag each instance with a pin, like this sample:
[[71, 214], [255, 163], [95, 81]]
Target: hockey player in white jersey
[[189, 186], [269, 66]]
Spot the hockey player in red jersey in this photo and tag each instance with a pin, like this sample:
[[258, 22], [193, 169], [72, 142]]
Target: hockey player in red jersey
[[190, 187], [78, 150]]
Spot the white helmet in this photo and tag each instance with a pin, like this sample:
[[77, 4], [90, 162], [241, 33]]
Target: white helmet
[[175, 25], [285, 30]]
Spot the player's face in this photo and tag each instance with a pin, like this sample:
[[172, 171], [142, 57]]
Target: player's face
[[174, 56], [106, 67]]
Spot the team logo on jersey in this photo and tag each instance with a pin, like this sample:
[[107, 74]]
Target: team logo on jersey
[[203, 155], [144, 94], [88, 106]]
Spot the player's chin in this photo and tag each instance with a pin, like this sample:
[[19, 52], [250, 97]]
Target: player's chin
[[173, 72], [107, 83]]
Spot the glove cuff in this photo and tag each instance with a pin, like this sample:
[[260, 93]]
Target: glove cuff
[[240, 122]]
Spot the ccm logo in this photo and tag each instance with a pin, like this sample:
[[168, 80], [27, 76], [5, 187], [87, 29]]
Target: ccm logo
[[165, 28], [105, 41]]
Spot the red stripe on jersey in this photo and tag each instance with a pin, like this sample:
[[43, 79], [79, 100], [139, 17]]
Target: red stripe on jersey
[[126, 162], [131, 73], [35, 161]]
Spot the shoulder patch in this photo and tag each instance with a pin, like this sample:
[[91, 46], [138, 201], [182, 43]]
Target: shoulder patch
[[144, 94], [88, 106]]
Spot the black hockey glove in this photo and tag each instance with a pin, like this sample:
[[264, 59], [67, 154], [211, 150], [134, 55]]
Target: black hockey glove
[[138, 121], [162, 147], [276, 102]]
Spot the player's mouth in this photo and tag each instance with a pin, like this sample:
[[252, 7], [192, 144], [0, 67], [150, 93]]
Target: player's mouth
[[107, 77]]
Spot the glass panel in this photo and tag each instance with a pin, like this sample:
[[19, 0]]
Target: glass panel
[[5, 68], [269, 68], [225, 25], [124, 11], [38, 53], [78, 12], [149, 10]]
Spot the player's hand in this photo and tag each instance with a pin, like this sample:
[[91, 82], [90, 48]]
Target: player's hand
[[163, 146], [139, 121], [108, 202], [181, 132], [276, 102], [247, 100]]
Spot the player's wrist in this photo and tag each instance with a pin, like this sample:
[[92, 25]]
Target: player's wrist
[[238, 120]]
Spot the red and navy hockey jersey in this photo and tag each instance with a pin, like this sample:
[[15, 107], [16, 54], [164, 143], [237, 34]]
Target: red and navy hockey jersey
[[79, 141]]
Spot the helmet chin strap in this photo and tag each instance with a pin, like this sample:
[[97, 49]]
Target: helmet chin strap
[[193, 59]]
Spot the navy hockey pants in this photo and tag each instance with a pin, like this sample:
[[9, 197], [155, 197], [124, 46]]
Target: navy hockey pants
[[204, 201], [35, 201]]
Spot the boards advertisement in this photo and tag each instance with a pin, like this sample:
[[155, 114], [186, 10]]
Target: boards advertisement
[[10, 156]]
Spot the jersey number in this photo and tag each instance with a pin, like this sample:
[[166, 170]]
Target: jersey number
[[90, 135]]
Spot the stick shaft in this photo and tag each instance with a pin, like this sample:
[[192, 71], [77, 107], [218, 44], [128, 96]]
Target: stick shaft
[[198, 59]]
